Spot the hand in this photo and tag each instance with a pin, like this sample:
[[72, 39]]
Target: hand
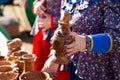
[[44, 23], [50, 66], [39, 8], [78, 45]]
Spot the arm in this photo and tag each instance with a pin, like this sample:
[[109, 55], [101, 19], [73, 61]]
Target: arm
[[112, 23], [111, 40], [107, 41]]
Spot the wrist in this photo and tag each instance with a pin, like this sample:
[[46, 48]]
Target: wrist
[[82, 39], [88, 42], [84, 43]]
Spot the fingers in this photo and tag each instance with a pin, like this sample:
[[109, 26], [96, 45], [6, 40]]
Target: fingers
[[40, 10], [78, 45], [50, 66], [72, 47]]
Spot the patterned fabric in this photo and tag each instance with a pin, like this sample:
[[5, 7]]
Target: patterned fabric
[[74, 6], [101, 16]]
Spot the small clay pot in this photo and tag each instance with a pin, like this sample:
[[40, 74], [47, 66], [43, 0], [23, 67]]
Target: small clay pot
[[29, 60], [19, 53], [7, 72], [14, 45], [29, 57], [35, 75], [16, 55]]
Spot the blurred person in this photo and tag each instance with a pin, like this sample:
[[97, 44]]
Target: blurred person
[[48, 13], [96, 50]]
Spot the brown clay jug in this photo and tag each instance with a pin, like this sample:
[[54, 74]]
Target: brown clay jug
[[29, 73], [60, 38]]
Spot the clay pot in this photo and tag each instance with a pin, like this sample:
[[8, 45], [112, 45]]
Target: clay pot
[[28, 71], [14, 45], [7, 72], [20, 65], [29, 60], [35, 75], [16, 55], [60, 38]]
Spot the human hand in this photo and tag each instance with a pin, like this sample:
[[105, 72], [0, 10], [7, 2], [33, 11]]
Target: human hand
[[39, 8], [50, 67], [78, 45], [44, 23]]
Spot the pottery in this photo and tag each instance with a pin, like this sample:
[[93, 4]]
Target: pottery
[[8, 72], [35, 75], [28, 71], [16, 58], [26, 63], [14, 45], [29, 60], [16, 55], [60, 38]]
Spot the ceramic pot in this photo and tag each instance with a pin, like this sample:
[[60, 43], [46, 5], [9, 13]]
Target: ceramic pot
[[8, 72], [35, 75], [29, 60]]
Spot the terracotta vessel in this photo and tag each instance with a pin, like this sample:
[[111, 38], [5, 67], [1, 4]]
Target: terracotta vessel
[[35, 75], [29, 73], [29, 60], [60, 38], [16, 55], [14, 45], [18, 59], [8, 71], [27, 63]]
